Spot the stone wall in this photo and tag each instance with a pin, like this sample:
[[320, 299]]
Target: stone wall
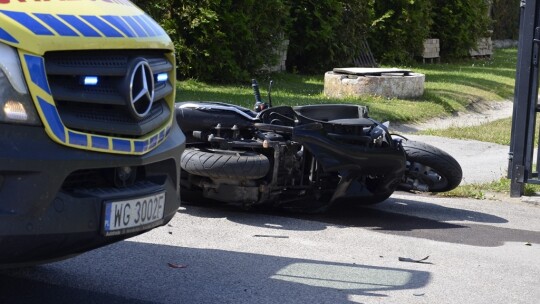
[[484, 48], [431, 48], [281, 52]]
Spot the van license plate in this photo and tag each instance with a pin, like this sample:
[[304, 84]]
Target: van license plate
[[134, 215]]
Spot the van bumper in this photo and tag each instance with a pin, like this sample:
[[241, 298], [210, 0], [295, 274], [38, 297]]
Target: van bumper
[[52, 197]]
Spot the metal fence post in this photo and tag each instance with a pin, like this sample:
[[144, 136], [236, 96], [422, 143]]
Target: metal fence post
[[525, 100]]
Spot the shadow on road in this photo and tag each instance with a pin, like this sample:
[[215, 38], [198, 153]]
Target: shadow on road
[[201, 276], [395, 216]]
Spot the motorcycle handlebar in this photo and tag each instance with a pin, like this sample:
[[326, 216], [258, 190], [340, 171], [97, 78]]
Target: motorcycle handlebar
[[256, 91]]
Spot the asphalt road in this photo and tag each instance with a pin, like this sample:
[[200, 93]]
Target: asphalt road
[[474, 252]]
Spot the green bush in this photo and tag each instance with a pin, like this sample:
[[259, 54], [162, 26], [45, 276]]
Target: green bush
[[459, 24], [325, 33], [505, 15], [400, 27], [221, 40]]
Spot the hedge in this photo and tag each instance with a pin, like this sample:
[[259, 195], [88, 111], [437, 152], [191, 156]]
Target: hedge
[[226, 40], [325, 33], [221, 40], [399, 29], [459, 24]]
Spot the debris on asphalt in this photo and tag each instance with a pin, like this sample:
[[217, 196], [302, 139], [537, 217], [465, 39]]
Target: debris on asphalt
[[420, 261], [271, 236], [176, 266]]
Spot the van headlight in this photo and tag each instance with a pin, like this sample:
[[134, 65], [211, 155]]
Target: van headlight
[[16, 105]]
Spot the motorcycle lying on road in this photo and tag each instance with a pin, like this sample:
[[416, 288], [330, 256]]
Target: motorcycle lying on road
[[302, 158]]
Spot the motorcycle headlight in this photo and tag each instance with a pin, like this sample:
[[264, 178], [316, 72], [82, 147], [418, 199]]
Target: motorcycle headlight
[[16, 105]]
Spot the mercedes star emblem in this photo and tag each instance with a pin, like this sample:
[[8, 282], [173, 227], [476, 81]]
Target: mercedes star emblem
[[141, 89]]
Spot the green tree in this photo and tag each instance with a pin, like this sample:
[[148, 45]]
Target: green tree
[[459, 24], [505, 15], [325, 33], [400, 27]]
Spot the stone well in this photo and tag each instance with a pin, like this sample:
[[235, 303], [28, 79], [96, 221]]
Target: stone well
[[390, 83]]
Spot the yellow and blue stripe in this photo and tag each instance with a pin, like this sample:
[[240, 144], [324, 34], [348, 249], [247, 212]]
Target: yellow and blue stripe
[[65, 25], [6, 36]]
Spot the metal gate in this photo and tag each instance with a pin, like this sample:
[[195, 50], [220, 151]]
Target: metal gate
[[522, 154]]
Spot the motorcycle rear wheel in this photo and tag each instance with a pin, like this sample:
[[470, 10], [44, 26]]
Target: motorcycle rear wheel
[[225, 164], [432, 167]]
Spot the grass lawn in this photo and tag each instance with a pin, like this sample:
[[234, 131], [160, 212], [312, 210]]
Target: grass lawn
[[448, 88], [497, 131], [484, 191]]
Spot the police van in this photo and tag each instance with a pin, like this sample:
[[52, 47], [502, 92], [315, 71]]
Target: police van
[[89, 149]]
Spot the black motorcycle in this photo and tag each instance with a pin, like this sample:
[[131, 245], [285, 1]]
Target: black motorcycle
[[303, 158]]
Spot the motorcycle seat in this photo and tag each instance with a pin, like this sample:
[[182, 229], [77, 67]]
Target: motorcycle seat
[[352, 122]]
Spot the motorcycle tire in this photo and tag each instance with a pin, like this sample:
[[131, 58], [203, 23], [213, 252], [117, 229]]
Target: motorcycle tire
[[432, 166], [225, 164]]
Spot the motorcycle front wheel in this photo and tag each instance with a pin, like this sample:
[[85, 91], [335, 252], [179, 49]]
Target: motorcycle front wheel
[[429, 169]]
